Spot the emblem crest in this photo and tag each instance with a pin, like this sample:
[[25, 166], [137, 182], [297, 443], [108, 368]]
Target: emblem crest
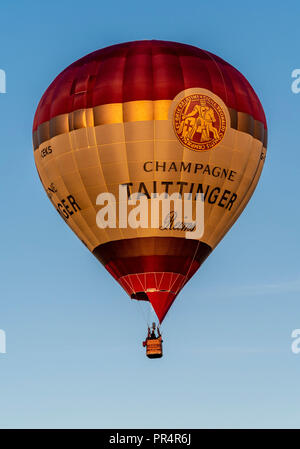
[[199, 122]]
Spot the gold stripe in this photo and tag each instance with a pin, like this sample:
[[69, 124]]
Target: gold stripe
[[131, 111], [246, 123]]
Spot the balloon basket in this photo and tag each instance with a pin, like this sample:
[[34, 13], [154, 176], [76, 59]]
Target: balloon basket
[[154, 348]]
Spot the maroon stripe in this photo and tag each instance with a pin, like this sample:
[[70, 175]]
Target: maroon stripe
[[128, 254]]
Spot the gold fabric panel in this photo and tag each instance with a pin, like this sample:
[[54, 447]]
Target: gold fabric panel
[[131, 112]]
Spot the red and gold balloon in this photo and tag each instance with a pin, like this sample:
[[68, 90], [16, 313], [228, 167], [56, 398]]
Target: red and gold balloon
[[157, 117]]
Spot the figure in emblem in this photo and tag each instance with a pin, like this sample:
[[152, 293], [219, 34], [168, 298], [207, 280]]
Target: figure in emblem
[[204, 118]]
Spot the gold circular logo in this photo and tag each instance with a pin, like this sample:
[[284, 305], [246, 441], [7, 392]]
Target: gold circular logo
[[199, 122]]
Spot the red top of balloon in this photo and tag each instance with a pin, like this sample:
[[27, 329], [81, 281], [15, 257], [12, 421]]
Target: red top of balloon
[[145, 70]]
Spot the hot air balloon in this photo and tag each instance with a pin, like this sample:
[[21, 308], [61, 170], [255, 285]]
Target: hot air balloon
[[156, 118]]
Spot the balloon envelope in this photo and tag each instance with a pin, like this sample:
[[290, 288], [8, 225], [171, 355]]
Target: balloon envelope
[[155, 117]]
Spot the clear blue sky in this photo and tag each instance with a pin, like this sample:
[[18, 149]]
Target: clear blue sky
[[74, 355]]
